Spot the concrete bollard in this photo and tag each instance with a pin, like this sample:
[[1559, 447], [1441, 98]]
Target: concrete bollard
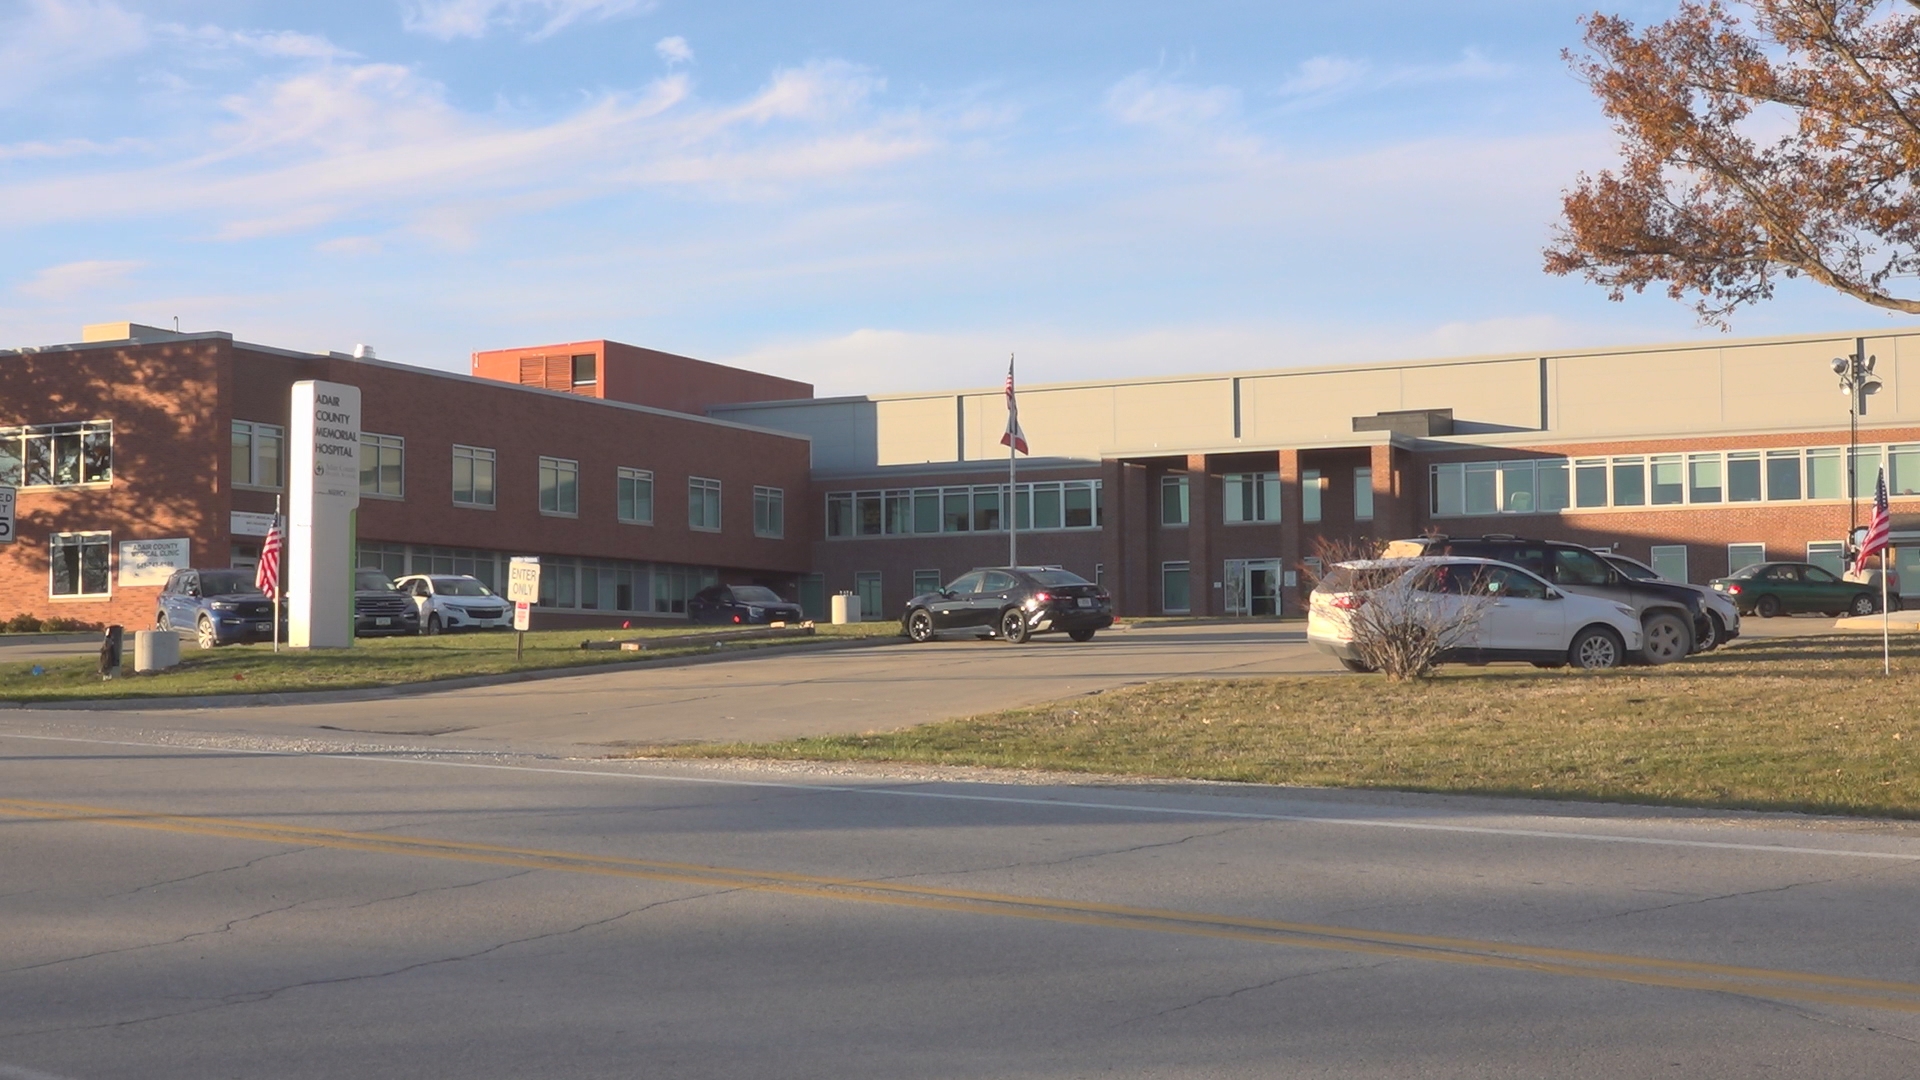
[[155, 650], [846, 608]]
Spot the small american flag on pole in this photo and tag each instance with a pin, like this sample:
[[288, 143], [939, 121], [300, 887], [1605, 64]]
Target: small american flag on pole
[[1879, 529], [267, 577], [1014, 436]]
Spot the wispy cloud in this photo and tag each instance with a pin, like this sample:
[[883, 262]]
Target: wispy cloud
[[674, 50], [1320, 79], [74, 279], [50, 40], [449, 19], [1152, 99], [285, 44]]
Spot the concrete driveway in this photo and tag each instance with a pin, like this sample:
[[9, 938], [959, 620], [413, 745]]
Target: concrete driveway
[[784, 695]]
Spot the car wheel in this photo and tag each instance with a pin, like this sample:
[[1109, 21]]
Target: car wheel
[[1716, 633], [1666, 639], [433, 624], [1596, 648], [1080, 635], [1013, 626], [1767, 607], [1862, 605], [1358, 667], [203, 634], [160, 621], [920, 626]]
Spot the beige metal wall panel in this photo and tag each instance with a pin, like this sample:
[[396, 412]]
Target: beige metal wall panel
[[1505, 393], [1613, 395], [1789, 385], [1173, 415], [1900, 367], [1075, 422], [1319, 405], [913, 431]]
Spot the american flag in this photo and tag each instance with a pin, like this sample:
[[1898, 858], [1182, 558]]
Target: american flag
[[267, 577], [1880, 529], [1014, 436]]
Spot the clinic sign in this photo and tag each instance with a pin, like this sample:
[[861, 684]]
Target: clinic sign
[[323, 490]]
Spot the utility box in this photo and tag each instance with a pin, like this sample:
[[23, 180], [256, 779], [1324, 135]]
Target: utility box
[[155, 650], [846, 608]]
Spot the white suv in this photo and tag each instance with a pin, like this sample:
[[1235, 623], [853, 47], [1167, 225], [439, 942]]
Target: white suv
[[455, 602], [1518, 616]]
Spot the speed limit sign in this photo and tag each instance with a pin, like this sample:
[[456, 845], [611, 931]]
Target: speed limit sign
[[6, 515]]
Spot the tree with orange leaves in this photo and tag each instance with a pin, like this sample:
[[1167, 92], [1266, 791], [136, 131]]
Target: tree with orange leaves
[[1758, 139]]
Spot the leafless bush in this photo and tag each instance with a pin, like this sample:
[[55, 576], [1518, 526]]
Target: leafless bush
[[1402, 625], [1329, 553]]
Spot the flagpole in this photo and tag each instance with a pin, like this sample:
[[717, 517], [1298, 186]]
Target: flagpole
[[1886, 643], [1013, 456], [277, 590]]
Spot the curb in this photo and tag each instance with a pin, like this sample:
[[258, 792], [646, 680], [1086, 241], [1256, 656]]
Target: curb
[[379, 693]]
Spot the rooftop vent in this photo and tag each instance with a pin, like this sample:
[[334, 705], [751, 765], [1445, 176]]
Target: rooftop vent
[[363, 352], [1415, 423]]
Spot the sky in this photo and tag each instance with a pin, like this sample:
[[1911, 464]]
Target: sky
[[871, 197]]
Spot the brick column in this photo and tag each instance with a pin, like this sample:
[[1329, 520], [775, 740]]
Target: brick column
[[1392, 502], [1123, 541], [1203, 517], [1290, 512]]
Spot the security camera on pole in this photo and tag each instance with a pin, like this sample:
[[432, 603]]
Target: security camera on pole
[[1858, 382]]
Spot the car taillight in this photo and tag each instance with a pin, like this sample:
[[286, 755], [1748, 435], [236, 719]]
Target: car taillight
[[1733, 588], [1102, 596], [1348, 601], [736, 618], [1042, 597]]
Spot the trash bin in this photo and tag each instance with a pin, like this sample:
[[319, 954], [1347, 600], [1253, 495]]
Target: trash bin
[[155, 650], [846, 608]]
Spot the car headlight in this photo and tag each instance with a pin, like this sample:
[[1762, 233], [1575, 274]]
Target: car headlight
[[222, 605], [1623, 609], [754, 612]]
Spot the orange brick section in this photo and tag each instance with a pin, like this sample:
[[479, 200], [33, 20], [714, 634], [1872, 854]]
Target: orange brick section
[[637, 376]]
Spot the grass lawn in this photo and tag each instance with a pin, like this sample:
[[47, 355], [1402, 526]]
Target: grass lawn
[[1804, 723], [256, 669]]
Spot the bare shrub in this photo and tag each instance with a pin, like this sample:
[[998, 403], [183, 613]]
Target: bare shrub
[[1330, 553], [1404, 620]]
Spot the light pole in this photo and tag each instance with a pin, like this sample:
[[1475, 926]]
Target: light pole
[[1857, 381]]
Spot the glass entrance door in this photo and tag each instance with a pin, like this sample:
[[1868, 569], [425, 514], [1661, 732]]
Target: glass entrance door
[[1263, 587]]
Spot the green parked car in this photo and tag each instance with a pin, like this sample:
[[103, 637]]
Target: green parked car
[[1786, 588]]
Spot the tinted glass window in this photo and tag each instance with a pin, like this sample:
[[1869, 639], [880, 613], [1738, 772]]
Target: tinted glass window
[[1818, 576], [754, 594], [460, 586], [226, 582], [1502, 582], [1572, 567], [968, 583], [997, 582], [1633, 569], [1452, 578], [1057, 577], [371, 581], [1782, 573]]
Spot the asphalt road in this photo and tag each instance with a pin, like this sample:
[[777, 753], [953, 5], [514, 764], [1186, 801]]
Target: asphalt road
[[291, 908]]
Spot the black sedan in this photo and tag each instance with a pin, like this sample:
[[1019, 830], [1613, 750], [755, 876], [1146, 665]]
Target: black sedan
[[739, 605], [1011, 603]]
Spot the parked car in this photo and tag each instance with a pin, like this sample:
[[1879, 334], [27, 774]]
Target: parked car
[[1673, 617], [1722, 612], [379, 607], [217, 607], [454, 602], [1521, 617], [1784, 588], [1011, 603], [740, 605]]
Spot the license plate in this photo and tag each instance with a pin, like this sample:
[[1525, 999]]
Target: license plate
[[382, 620], [1086, 601]]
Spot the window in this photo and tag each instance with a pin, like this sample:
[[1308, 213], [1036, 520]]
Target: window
[[634, 496], [1173, 589], [1252, 497], [1629, 481], [1743, 555], [1173, 500], [1516, 487], [769, 515], [1826, 474], [957, 515], [559, 486], [1743, 476], [258, 454], [1449, 491], [472, 476], [79, 564], [1831, 554], [1483, 487], [1082, 504], [1783, 475], [1703, 479], [1552, 496], [703, 504], [926, 581], [839, 515], [1590, 482], [986, 509], [1363, 494], [1903, 470], [1670, 561], [926, 510], [899, 512], [382, 465], [1310, 494], [868, 506], [1866, 471], [1045, 505], [585, 370], [866, 585], [1669, 488]]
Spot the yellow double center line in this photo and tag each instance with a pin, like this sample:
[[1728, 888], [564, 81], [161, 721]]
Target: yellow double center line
[[1614, 967]]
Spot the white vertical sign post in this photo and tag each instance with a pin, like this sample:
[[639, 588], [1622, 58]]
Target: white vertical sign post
[[323, 488], [523, 588]]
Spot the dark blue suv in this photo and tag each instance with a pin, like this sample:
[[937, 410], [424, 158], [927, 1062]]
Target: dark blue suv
[[218, 607]]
